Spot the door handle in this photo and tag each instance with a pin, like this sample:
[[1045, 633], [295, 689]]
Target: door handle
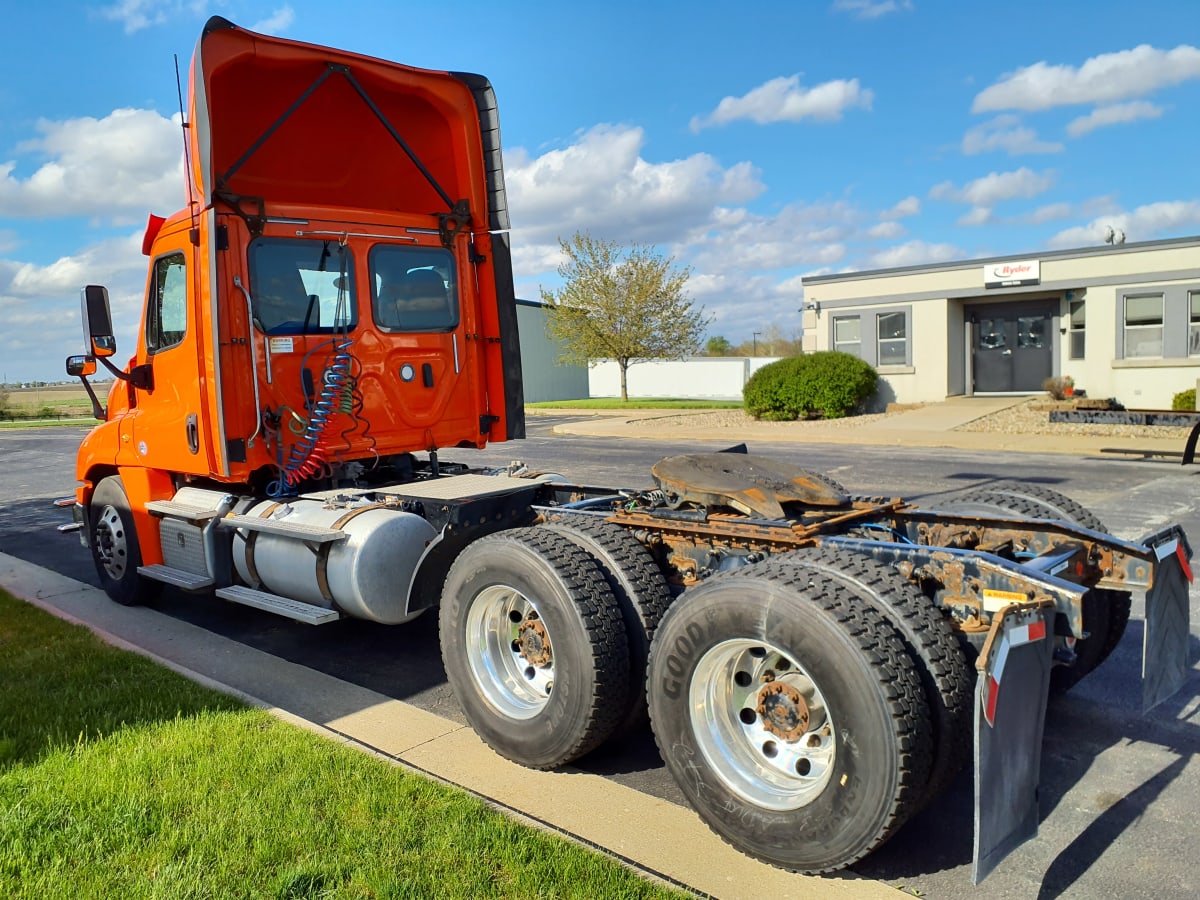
[[193, 434]]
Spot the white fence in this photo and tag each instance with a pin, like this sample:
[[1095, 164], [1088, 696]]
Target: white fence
[[697, 377]]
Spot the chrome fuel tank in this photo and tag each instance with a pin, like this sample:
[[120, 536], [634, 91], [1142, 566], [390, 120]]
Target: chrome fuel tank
[[365, 575]]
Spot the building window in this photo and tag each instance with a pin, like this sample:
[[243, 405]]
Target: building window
[[166, 315], [1078, 318], [1143, 326], [892, 337], [1194, 323], [847, 334]]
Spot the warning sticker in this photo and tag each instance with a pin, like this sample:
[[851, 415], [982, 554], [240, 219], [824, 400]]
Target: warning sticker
[[282, 345]]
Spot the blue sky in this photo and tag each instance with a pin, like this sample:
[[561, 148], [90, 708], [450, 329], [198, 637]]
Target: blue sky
[[755, 143]]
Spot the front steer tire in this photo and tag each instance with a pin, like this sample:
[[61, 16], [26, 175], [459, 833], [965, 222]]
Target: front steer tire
[[791, 717], [114, 544], [534, 646]]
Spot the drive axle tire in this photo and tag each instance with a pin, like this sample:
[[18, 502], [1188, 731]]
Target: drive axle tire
[[114, 544], [791, 717], [640, 589], [946, 678], [534, 646], [1105, 611]]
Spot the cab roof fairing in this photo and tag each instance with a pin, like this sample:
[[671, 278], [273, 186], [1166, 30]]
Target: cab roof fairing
[[250, 136]]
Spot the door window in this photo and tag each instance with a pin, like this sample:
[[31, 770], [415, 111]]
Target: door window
[[1031, 333], [992, 334], [166, 313]]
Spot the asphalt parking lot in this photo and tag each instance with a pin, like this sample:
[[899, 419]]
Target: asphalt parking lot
[[1118, 789]]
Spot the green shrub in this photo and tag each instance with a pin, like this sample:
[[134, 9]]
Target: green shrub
[[1184, 400], [827, 385]]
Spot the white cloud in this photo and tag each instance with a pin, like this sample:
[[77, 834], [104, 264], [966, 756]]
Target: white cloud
[[913, 253], [47, 298], [909, 206], [1117, 114], [995, 187], [1005, 133], [1052, 212], [602, 184], [279, 21], [871, 9], [784, 100], [1153, 220], [112, 168], [1103, 79], [978, 215], [889, 230], [135, 15]]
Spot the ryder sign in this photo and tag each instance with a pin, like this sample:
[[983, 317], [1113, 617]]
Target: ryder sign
[[1012, 274]]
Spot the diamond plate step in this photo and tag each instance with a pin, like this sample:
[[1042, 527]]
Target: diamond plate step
[[273, 603], [311, 533], [188, 581], [171, 509]]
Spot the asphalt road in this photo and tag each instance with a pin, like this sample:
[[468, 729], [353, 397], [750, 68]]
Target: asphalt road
[[1118, 789]]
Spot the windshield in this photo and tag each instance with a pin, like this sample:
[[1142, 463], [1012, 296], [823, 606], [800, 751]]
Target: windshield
[[413, 288], [300, 286]]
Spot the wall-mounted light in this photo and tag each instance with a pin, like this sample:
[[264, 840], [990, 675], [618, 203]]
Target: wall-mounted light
[[814, 305]]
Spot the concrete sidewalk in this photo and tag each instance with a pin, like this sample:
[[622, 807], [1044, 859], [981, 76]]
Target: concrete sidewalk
[[655, 836], [933, 425]]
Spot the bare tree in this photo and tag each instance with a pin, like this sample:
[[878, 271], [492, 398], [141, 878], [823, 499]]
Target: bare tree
[[625, 304]]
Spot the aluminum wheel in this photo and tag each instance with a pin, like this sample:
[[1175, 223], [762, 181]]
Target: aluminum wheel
[[112, 549], [509, 651], [762, 724]]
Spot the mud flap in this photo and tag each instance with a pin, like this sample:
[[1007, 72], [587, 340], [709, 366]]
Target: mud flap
[[1168, 629], [1010, 714]]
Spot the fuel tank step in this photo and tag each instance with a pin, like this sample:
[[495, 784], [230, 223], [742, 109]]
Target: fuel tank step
[[188, 581], [282, 606], [311, 533]]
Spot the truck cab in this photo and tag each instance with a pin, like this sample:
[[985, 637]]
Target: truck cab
[[335, 295]]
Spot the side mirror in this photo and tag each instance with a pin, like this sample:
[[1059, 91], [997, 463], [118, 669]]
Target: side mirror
[[97, 322], [81, 366]]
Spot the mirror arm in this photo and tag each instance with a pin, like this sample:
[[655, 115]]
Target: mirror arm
[[97, 410], [141, 377]]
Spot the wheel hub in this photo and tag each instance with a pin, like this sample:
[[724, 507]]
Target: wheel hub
[[534, 643], [783, 711], [110, 542]]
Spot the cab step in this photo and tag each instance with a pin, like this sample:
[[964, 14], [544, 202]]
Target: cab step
[[273, 603], [282, 528], [187, 581], [185, 511]]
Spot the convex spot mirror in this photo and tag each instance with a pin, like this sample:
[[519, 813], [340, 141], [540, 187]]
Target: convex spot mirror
[[97, 322], [81, 366]]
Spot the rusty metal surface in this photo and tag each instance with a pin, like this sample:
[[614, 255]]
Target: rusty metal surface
[[750, 484]]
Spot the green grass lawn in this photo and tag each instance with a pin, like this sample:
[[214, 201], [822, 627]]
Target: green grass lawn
[[637, 403], [119, 778]]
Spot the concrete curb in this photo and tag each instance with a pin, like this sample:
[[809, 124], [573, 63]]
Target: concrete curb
[[654, 836]]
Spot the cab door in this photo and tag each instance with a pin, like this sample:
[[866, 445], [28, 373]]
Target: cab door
[[169, 419]]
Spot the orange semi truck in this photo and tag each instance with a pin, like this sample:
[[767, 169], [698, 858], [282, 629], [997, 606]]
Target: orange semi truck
[[334, 309]]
